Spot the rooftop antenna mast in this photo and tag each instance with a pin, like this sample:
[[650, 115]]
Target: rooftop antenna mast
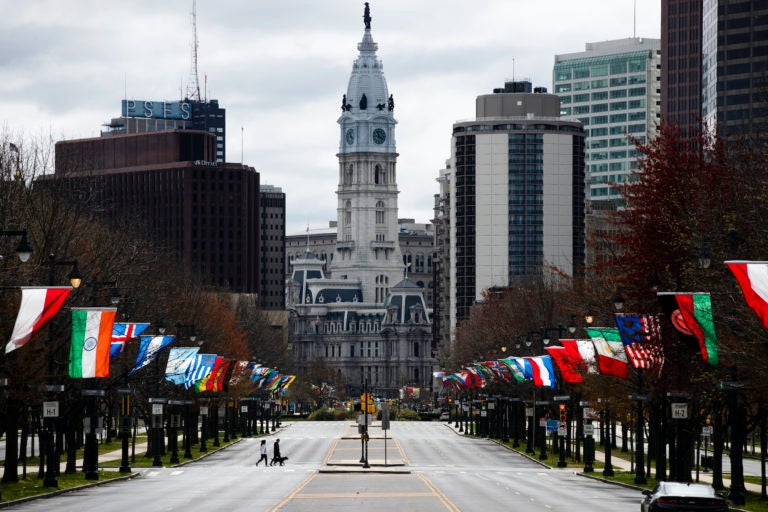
[[193, 87]]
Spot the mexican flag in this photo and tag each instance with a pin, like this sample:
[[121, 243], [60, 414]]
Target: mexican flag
[[91, 338], [611, 357]]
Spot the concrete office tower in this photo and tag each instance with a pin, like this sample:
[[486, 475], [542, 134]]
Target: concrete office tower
[[272, 263], [512, 196], [613, 89]]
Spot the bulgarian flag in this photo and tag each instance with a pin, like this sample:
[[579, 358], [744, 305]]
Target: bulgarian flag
[[91, 336], [691, 316], [753, 279], [38, 306]]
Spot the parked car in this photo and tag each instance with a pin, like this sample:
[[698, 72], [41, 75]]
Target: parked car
[[671, 496]]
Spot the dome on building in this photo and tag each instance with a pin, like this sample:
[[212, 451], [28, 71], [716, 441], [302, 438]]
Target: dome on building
[[367, 91]]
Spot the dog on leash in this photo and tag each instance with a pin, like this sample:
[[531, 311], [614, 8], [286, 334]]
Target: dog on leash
[[277, 460]]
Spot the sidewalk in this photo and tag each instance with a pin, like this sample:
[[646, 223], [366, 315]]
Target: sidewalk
[[622, 464]]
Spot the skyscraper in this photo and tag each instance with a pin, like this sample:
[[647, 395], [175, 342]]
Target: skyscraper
[[512, 197], [715, 58], [613, 89]]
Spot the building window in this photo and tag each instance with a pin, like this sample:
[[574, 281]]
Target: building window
[[379, 212]]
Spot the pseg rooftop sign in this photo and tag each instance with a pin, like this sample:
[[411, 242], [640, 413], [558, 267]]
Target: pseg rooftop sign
[[157, 109]]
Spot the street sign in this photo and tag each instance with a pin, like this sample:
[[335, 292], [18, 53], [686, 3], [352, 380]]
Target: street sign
[[589, 430], [157, 409], [529, 411], [203, 410], [385, 417], [561, 428], [589, 413], [50, 409], [706, 430], [483, 414], [679, 411]]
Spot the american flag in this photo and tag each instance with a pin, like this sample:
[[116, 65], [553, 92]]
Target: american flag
[[641, 336]]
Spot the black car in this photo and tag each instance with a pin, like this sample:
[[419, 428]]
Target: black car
[[682, 497]]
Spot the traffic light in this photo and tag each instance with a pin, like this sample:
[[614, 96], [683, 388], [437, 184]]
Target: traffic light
[[483, 405], [563, 415], [366, 403]]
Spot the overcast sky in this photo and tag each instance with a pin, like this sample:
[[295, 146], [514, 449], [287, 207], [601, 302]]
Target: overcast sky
[[280, 67]]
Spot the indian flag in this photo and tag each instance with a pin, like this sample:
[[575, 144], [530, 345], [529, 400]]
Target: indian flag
[[91, 337]]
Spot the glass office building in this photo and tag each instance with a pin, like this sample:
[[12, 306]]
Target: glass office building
[[613, 89]]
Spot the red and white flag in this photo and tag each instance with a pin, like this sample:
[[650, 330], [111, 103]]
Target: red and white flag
[[753, 279], [38, 306]]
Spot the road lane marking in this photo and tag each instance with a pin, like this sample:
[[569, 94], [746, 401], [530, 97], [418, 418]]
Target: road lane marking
[[445, 500], [293, 493]]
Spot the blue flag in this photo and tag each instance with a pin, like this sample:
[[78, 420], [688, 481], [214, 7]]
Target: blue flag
[[179, 360], [149, 349]]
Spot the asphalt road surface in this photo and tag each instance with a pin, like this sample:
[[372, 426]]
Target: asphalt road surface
[[429, 468]]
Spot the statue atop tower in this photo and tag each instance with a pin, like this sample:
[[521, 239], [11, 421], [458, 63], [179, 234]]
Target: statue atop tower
[[367, 16]]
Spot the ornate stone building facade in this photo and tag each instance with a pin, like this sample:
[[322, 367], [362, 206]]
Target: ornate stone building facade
[[368, 323]]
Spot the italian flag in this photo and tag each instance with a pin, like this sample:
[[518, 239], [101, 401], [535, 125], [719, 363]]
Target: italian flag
[[753, 279], [91, 338], [38, 306]]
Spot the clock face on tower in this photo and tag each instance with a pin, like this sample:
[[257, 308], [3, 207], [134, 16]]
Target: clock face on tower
[[379, 136], [349, 137]]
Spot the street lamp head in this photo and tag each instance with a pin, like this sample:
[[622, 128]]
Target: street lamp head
[[618, 300], [24, 249], [589, 319], [75, 277], [114, 296]]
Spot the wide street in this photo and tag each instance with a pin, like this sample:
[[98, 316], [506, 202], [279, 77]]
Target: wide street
[[429, 468]]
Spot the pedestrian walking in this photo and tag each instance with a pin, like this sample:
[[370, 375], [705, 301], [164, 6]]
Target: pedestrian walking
[[263, 452], [276, 458]]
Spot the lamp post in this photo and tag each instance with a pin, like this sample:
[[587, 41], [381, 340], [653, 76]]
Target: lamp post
[[737, 491], [174, 424], [607, 441], [125, 427], [157, 426], [203, 424], [51, 408], [91, 451]]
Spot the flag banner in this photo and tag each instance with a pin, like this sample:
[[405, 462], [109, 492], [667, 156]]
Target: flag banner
[[569, 366], [149, 350], [240, 370], [611, 356], [541, 370], [122, 334], [474, 378], [89, 347], [583, 354], [221, 381], [206, 383], [753, 280], [38, 306], [287, 382], [179, 361], [514, 368], [691, 316], [500, 370], [199, 369], [641, 336]]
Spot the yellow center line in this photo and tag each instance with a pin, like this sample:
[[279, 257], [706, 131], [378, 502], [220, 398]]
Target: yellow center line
[[330, 452], [364, 495], [402, 453], [442, 497], [292, 495]]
